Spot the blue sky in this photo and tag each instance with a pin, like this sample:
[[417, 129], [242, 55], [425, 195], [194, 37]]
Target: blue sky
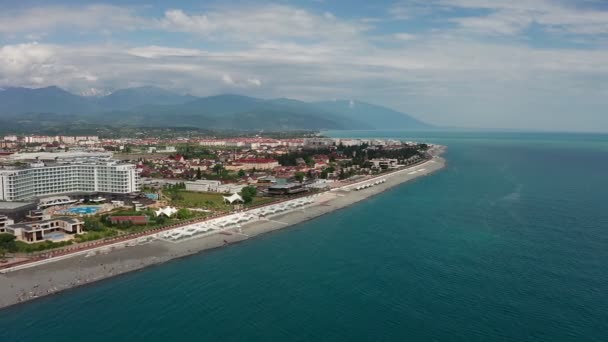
[[523, 64]]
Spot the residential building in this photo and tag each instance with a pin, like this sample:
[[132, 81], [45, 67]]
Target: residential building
[[57, 229], [318, 142], [252, 163], [383, 163], [212, 142], [203, 185], [46, 179], [4, 222]]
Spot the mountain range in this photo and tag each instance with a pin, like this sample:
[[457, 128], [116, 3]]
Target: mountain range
[[156, 107]]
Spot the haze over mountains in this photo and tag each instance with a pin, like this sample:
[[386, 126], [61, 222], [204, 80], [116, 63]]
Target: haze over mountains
[[156, 107]]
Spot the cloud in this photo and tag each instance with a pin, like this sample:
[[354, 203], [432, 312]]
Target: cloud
[[244, 83], [512, 17], [261, 22], [410, 9], [227, 79], [33, 64], [38, 21], [155, 51], [26, 64], [404, 36], [254, 81], [286, 51]]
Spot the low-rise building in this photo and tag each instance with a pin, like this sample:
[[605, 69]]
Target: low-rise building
[[56, 229], [383, 163], [286, 189], [17, 211], [318, 142], [203, 185], [4, 222], [252, 163]]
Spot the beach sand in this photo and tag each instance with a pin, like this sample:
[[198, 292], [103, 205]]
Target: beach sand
[[34, 282]]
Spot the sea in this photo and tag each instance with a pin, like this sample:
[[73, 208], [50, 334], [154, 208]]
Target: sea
[[508, 243]]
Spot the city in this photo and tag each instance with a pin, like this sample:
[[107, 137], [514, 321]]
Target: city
[[59, 191]]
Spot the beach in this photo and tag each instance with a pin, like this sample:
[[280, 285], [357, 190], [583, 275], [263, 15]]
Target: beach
[[54, 276]]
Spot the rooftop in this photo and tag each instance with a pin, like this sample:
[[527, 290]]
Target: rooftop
[[255, 160], [29, 226], [285, 186], [13, 205], [60, 155]]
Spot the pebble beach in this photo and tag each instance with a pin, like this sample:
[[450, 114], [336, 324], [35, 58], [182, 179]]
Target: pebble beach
[[52, 277]]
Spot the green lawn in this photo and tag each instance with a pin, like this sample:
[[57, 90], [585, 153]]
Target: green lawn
[[97, 235], [208, 200], [192, 199], [23, 247]]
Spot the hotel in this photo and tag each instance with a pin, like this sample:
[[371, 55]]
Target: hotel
[[40, 179]]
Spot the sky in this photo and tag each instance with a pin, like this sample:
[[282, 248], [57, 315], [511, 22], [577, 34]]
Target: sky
[[517, 64]]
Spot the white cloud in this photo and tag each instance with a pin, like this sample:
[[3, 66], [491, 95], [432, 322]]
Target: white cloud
[[32, 64], [25, 63], [38, 21], [154, 51], [404, 36], [227, 79], [512, 17], [284, 51], [261, 23], [94, 92], [254, 81]]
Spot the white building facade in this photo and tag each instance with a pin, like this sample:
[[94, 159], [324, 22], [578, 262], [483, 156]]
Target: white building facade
[[39, 181]]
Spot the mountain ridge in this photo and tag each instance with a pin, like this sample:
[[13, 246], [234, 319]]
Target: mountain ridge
[[160, 107]]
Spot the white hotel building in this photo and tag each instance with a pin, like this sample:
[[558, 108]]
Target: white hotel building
[[39, 179]]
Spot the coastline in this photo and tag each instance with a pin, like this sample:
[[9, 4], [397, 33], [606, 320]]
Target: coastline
[[58, 275]]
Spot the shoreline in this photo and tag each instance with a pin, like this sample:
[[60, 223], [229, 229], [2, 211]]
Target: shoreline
[[56, 276]]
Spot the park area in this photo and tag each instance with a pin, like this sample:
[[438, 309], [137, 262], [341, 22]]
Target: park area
[[208, 200]]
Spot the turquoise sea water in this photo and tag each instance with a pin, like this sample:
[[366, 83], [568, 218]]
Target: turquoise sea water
[[84, 210], [508, 243]]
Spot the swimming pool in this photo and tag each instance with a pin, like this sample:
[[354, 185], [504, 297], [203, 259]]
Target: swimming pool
[[88, 210], [54, 236]]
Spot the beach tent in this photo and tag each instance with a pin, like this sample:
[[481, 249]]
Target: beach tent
[[233, 198], [167, 211]]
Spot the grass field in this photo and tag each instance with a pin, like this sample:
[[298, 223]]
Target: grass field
[[192, 199], [208, 200]]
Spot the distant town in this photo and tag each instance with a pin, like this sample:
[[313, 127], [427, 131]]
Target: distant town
[[58, 191]]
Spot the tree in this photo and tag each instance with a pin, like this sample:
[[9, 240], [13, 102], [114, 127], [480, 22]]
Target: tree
[[326, 171], [7, 242], [248, 193], [199, 174], [218, 168], [92, 225], [162, 219], [184, 214], [241, 173], [309, 174], [299, 176]]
